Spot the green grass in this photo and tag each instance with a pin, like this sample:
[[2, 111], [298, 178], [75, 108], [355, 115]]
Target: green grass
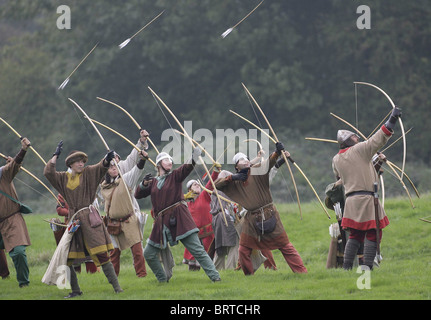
[[404, 272]]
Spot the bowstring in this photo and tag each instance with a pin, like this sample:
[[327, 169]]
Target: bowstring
[[29, 186]]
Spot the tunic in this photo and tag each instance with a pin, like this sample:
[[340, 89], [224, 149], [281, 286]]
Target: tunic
[[13, 230], [355, 168], [225, 236], [254, 194], [176, 223], [120, 207], [87, 239]]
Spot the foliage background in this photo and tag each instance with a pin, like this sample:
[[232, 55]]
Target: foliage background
[[298, 58]]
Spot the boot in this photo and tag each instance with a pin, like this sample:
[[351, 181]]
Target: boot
[[108, 270]]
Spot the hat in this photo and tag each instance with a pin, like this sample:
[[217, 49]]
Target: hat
[[238, 157], [343, 135], [190, 183], [74, 156], [163, 155]]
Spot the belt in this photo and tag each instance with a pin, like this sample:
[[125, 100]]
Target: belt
[[176, 204], [261, 209], [122, 219], [359, 193]]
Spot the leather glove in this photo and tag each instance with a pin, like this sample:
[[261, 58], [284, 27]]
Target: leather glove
[[58, 149], [148, 177], [396, 113], [109, 156], [279, 147]]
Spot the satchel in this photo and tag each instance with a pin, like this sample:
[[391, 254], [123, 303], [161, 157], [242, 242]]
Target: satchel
[[113, 226], [22, 207], [267, 226]]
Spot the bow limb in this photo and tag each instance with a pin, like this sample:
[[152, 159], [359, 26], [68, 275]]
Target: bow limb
[[399, 119], [55, 223], [388, 162], [322, 140], [106, 146], [35, 178], [408, 178], [210, 192], [285, 159], [258, 143], [131, 118], [20, 136], [192, 143], [121, 136]]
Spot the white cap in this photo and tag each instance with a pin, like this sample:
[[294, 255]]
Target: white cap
[[163, 155], [343, 135], [238, 157], [189, 184]]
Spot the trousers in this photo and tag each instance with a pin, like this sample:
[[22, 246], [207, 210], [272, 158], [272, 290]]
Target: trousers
[[138, 260], [192, 243], [19, 258], [289, 252]]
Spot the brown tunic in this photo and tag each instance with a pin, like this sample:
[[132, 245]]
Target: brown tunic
[[355, 168], [254, 194], [13, 229], [87, 239], [171, 193]]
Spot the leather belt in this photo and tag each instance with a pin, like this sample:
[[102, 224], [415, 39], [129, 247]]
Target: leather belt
[[360, 193]]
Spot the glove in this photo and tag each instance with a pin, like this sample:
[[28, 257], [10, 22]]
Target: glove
[[242, 175], [396, 113], [279, 147], [148, 177], [109, 156], [58, 149]]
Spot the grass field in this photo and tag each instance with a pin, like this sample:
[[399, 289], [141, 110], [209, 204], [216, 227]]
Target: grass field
[[404, 274]]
